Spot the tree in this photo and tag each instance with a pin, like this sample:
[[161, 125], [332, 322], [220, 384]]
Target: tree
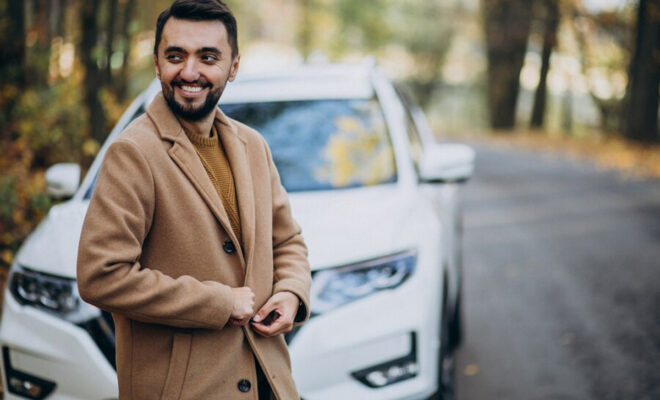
[[12, 54], [507, 27], [121, 86], [641, 119], [12, 43], [105, 35], [305, 31], [93, 73], [426, 31], [551, 22], [423, 28], [604, 40]]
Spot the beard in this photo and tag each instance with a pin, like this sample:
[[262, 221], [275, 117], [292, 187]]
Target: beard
[[188, 111]]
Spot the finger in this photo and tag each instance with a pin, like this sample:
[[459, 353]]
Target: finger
[[264, 311], [264, 330], [280, 325]]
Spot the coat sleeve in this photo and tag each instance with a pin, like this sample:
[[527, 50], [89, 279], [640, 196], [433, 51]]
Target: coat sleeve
[[109, 272], [291, 267]]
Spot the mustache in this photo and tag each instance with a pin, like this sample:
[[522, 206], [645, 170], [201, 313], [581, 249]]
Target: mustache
[[203, 82]]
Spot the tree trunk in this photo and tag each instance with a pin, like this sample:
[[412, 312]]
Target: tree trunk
[[641, 122], [93, 74], [305, 30], [567, 111], [55, 18], [549, 43], [121, 84], [12, 44], [38, 56], [433, 56], [507, 29], [12, 67], [109, 40]]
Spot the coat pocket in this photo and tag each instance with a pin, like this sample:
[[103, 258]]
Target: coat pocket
[[176, 372]]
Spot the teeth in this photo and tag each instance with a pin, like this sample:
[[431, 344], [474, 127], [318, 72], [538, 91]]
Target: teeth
[[193, 89]]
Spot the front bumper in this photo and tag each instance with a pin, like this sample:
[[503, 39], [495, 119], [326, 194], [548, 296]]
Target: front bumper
[[48, 348], [331, 354], [379, 330]]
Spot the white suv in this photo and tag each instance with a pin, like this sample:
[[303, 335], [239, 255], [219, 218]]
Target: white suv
[[377, 200]]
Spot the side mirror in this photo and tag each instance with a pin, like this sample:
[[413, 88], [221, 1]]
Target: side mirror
[[444, 163], [62, 180]]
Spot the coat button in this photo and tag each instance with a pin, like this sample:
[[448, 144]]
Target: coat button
[[244, 385], [228, 247]]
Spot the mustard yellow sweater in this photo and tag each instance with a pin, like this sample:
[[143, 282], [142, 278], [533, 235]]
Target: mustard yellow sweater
[[215, 161]]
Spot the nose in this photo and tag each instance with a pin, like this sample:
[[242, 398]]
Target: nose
[[190, 72]]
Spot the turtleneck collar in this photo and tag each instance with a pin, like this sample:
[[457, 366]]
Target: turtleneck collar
[[200, 128]]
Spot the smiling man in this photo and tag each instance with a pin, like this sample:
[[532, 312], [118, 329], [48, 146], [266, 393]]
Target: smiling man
[[189, 240]]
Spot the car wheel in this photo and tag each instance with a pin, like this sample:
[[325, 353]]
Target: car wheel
[[446, 364], [456, 325]]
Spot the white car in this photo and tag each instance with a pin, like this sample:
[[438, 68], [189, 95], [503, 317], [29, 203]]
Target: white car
[[377, 200]]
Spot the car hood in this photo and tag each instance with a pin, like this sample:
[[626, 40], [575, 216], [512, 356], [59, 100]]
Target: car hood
[[53, 247], [344, 226], [340, 227]]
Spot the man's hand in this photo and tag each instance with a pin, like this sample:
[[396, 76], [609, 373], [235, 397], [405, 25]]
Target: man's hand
[[243, 306], [276, 316]]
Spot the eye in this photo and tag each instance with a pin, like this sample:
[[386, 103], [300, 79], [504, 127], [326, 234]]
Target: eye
[[209, 58], [174, 58]]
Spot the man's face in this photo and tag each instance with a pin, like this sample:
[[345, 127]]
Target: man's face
[[193, 64]]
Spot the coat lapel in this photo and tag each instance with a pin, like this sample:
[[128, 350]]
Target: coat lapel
[[184, 155], [237, 153]]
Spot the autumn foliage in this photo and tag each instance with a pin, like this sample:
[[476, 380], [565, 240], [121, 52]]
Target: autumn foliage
[[69, 68]]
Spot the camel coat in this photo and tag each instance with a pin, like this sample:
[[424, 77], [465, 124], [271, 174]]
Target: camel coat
[[156, 251]]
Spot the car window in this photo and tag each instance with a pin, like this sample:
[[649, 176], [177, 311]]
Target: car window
[[320, 144], [323, 144]]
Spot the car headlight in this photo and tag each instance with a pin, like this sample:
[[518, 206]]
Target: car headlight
[[54, 294], [334, 287]]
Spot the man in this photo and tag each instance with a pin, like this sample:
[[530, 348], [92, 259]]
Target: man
[[189, 232]]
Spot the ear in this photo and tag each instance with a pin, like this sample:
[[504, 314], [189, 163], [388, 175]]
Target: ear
[[156, 68], [234, 68]]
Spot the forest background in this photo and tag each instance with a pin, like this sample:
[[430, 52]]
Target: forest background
[[574, 73]]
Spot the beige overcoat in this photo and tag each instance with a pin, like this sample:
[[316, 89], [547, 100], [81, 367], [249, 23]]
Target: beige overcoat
[[153, 252]]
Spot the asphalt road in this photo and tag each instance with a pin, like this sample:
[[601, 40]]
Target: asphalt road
[[561, 281]]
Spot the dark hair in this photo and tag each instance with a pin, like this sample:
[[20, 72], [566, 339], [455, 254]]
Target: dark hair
[[200, 10]]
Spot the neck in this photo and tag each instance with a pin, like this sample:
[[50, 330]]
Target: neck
[[201, 127]]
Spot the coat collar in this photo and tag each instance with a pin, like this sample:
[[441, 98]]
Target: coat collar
[[184, 155], [170, 129]]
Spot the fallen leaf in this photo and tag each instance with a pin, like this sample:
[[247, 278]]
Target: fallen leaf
[[471, 370]]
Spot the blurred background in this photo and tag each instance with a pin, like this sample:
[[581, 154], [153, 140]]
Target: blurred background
[[576, 77], [562, 69]]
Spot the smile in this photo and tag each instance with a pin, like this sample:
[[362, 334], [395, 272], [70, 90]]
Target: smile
[[191, 89]]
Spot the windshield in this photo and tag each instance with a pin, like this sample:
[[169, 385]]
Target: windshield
[[321, 144]]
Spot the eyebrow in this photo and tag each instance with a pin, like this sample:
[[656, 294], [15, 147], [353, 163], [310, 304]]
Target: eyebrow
[[209, 50], [177, 49]]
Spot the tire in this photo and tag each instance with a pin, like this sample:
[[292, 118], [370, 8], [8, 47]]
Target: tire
[[456, 325], [446, 363]]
